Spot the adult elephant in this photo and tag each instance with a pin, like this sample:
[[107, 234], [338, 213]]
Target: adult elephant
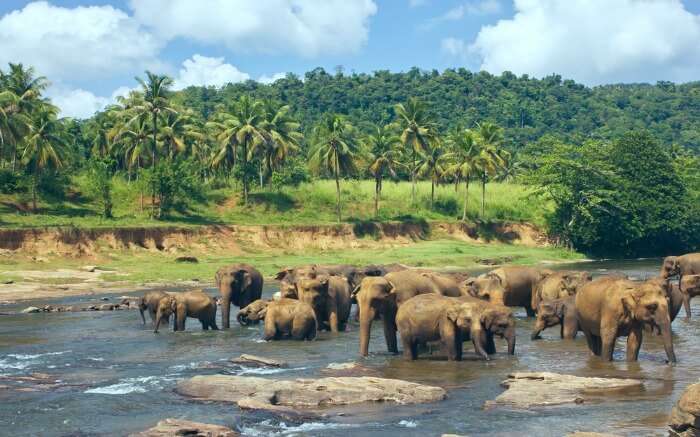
[[608, 308], [508, 286], [329, 296], [239, 284], [688, 264], [558, 285], [453, 320], [149, 302], [557, 312], [196, 304], [284, 318], [382, 296]]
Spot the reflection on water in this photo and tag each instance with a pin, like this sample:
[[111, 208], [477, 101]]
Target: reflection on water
[[106, 374]]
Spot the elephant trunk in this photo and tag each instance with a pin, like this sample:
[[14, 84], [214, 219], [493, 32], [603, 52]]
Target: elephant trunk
[[367, 314], [242, 319], [225, 305], [666, 335], [510, 338], [537, 329]]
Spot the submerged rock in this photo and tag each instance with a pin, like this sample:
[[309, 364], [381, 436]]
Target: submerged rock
[[685, 416], [253, 360], [544, 388], [286, 396], [176, 427], [31, 310]]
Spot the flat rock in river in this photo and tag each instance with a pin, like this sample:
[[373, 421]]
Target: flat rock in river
[[544, 388], [254, 360], [175, 427], [685, 416], [286, 396]]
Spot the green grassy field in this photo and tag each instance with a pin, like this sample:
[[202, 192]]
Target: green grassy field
[[312, 203]]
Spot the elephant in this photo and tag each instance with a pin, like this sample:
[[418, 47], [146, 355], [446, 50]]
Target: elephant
[[446, 285], [688, 264], [284, 318], [608, 308], [558, 285], [508, 286], [239, 284], [329, 296], [383, 296], [196, 304], [149, 302], [453, 320], [290, 275], [557, 312]]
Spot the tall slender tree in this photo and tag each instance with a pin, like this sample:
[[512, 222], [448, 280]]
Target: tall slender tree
[[156, 95], [431, 164], [418, 132], [382, 144], [464, 164], [335, 150], [282, 137], [491, 157]]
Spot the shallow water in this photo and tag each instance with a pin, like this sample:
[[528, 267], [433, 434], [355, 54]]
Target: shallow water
[[115, 376]]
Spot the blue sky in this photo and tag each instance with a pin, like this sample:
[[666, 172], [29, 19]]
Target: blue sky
[[91, 49]]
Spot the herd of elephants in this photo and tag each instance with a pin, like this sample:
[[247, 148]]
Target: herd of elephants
[[425, 306]]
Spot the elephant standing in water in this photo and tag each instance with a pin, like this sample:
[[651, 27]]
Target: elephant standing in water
[[196, 304], [608, 308], [284, 318], [508, 286], [149, 302], [239, 284], [329, 296], [383, 296], [557, 312], [688, 264], [559, 285]]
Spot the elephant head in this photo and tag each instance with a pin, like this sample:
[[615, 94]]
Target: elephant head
[[489, 287], [231, 282], [166, 307], [314, 292], [374, 296], [548, 314], [670, 267], [575, 280], [648, 303], [253, 312], [481, 321], [500, 322]]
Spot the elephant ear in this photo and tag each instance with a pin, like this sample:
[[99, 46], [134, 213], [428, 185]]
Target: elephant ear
[[452, 313], [487, 319], [245, 277], [630, 301]]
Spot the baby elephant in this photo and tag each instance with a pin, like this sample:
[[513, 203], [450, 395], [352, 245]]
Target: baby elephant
[[196, 304], [149, 302], [557, 312], [329, 296], [284, 318]]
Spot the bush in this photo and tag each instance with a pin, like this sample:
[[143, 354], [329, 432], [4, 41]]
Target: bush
[[293, 173], [100, 183], [171, 183], [447, 206], [11, 182]]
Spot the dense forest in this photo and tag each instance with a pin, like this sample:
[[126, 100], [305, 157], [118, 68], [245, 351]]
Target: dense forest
[[620, 163]]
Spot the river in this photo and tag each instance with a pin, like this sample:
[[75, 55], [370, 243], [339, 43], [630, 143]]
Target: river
[[114, 376]]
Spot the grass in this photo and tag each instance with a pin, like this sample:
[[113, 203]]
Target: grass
[[311, 203]]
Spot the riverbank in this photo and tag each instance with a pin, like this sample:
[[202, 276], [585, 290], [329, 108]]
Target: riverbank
[[55, 262]]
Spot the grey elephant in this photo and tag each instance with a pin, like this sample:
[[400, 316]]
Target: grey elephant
[[149, 302], [239, 285], [329, 296], [555, 312], [688, 264], [509, 286], [196, 304], [284, 318]]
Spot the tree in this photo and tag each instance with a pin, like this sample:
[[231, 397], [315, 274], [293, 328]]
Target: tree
[[431, 165], [282, 137], [418, 132], [334, 150], [382, 144], [490, 158], [100, 183], [464, 164], [156, 94], [44, 146]]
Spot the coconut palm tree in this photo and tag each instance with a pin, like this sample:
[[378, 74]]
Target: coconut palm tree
[[463, 155], [282, 137], [491, 157], [430, 164], [382, 144], [44, 146], [14, 125], [334, 150], [133, 145], [156, 94], [418, 132]]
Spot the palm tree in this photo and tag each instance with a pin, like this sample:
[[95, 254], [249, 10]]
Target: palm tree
[[464, 160], [133, 139], [431, 164], [282, 137], [418, 132], [44, 146], [335, 149], [156, 92], [14, 125], [382, 144], [490, 158]]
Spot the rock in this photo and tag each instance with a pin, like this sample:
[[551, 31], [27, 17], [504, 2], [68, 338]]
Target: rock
[[253, 360], [106, 307], [89, 269], [177, 427], [8, 282], [186, 259], [685, 415], [348, 369], [104, 298], [70, 308], [544, 388], [30, 310], [342, 366], [288, 396]]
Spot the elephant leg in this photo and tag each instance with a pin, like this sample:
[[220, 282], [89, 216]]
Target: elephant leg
[[569, 328], [592, 342], [389, 320], [686, 305], [152, 313], [226, 311], [607, 340], [409, 347], [311, 331], [205, 325], [333, 320], [299, 329], [634, 343], [530, 312], [212, 322], [270, 330], [490, 345]]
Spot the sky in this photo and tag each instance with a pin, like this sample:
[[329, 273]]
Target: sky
[[91, 50]]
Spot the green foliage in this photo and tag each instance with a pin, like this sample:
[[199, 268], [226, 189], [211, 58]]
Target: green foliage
[[292, 174], [11, 182], [100, 173]]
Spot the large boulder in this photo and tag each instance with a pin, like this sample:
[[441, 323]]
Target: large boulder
[[685, 416], [309, 395], [177, 427], [539, 389]]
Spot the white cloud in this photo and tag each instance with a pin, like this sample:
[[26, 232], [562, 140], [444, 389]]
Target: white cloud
[[453, 47], [77, 42], [482, 7], [271, 79], [594, 41], [306, 27], [203, 70], [79, 103]]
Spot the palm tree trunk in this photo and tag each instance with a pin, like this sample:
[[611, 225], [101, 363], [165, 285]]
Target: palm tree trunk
[[432, 192], [413, 179], [34, 186], [14, 157], [245, 172], [260, 172], [376, 196], [466, 199], [456, 183], [483, 194], [337, 185], [153, 190]]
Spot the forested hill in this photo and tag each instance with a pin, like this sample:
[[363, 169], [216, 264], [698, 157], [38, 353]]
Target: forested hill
[[527, 108]]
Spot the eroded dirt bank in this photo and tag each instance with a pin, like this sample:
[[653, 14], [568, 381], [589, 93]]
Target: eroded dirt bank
[[77, 242]]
